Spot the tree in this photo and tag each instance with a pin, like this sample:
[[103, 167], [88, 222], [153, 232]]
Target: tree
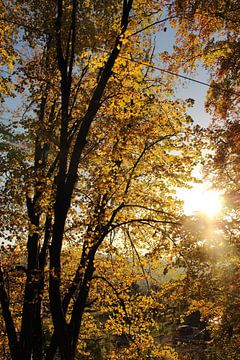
[[100, 149], [207, 34]]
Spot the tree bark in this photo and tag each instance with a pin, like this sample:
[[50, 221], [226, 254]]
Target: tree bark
[[7, 315]]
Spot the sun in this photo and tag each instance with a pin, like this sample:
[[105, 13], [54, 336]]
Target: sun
[[199, 199]]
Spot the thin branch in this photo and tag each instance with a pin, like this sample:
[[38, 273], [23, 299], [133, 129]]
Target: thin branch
[[145, 149], [121, 301], [83, 73], [153, 24], [73, 40], [146, 221], [139, 259], [148, 209]]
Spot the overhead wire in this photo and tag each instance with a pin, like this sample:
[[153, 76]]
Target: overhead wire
[[170, 72], [185, 77]]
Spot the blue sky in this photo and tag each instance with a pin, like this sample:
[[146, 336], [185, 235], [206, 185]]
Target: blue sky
[[187, 89]]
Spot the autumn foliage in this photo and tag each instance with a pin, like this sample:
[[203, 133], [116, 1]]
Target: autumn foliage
[[98, 260]]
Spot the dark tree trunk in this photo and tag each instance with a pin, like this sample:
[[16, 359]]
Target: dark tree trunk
[[10, 328]]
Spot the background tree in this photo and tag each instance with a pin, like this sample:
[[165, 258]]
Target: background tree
[[207, 33]]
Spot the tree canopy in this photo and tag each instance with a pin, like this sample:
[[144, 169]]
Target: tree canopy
[[98, 259]]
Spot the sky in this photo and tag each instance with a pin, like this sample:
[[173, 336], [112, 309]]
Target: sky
[[187, 89], [200, 198]]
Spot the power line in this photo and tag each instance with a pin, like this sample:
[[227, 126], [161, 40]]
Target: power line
[[215, 86], [170, 72]]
